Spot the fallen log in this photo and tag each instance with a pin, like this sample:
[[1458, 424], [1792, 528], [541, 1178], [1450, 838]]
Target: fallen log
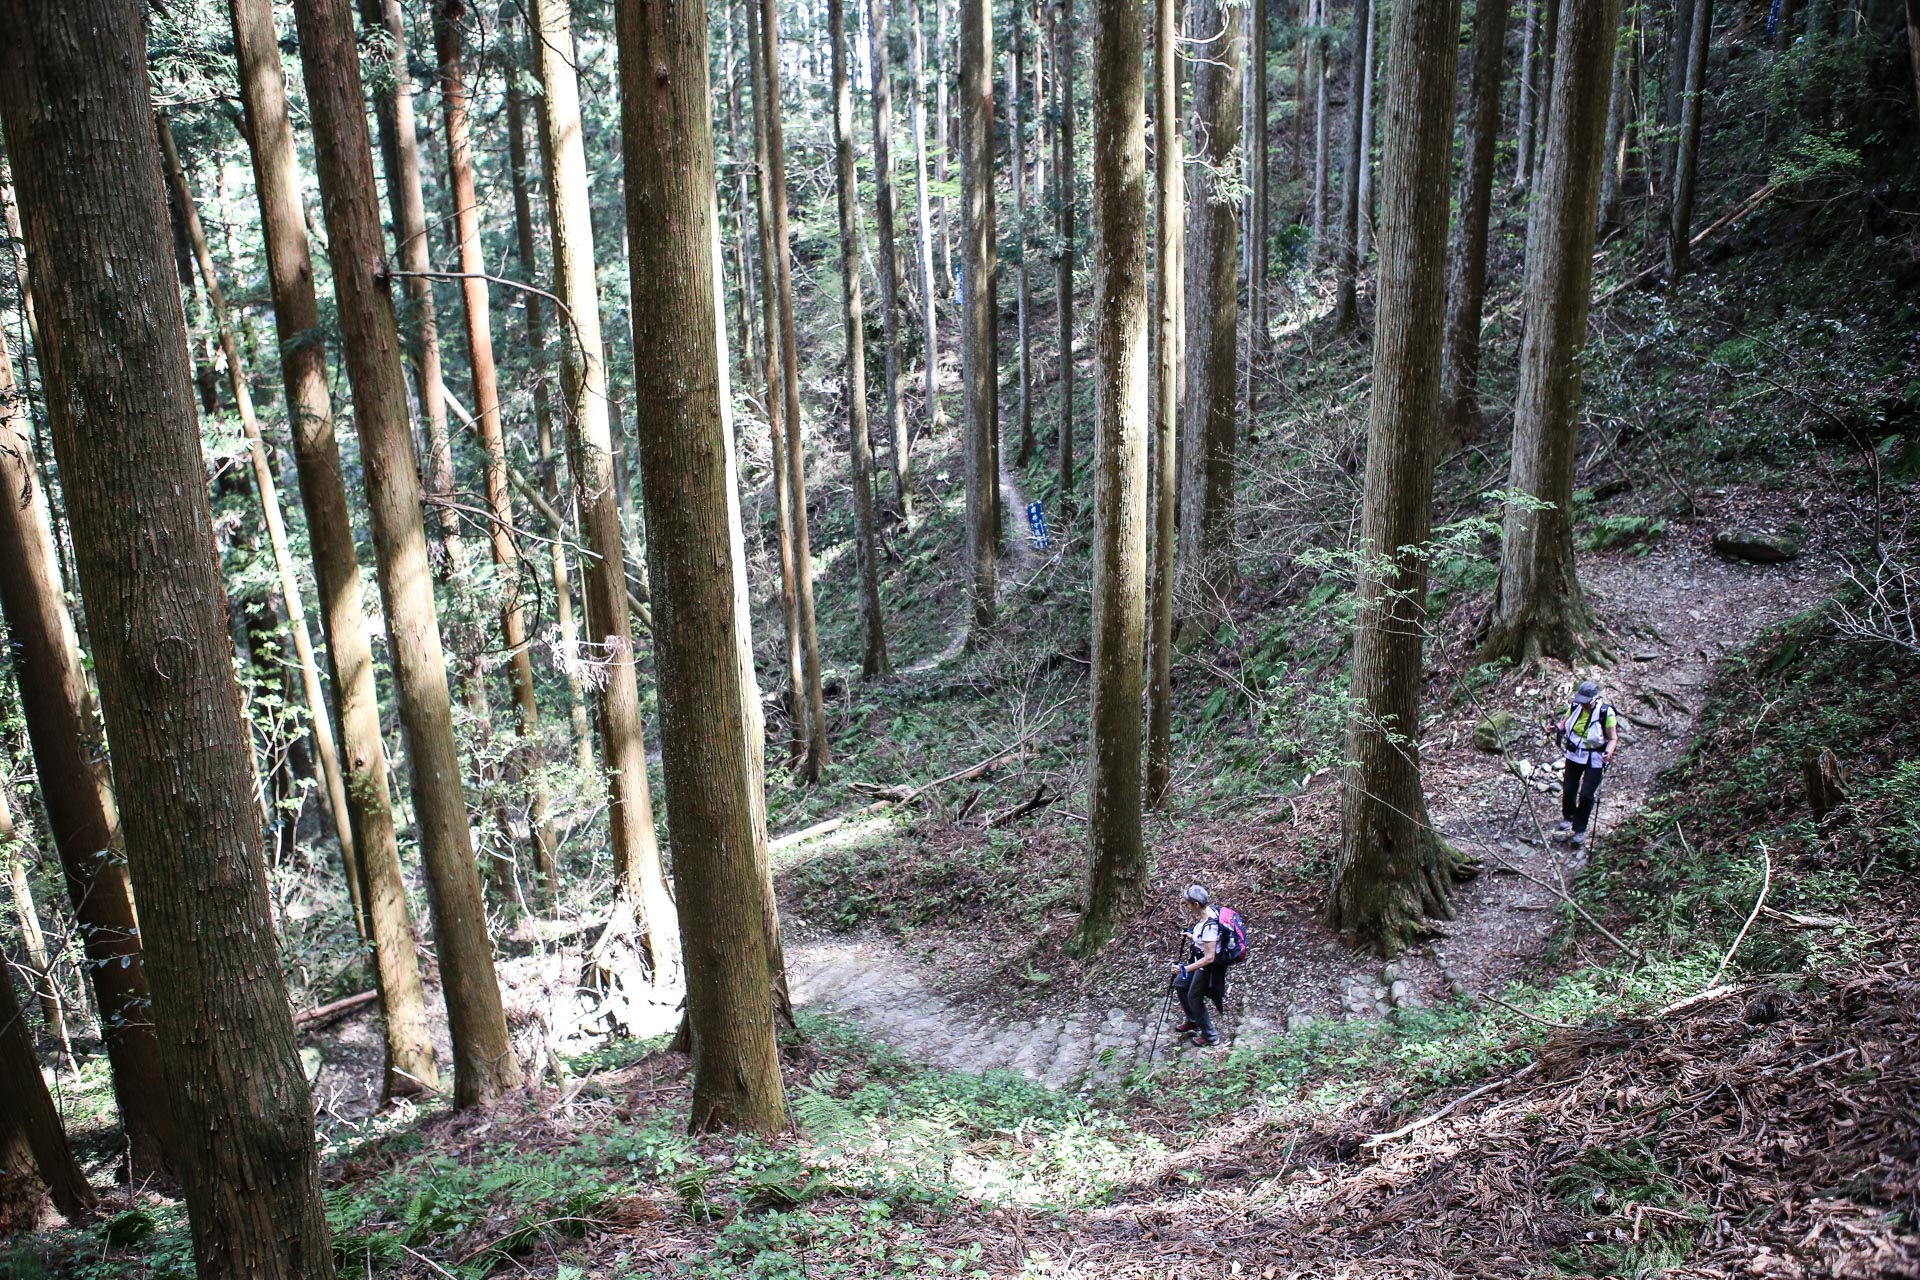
[[321, 1015]]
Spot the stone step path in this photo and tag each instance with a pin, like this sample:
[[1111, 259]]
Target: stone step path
[[1085, 1046]]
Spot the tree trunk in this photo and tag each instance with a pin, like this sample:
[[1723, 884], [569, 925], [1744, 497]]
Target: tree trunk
[[80, 131], [873, 633], [483, 1060], [1467, 259], [70, 758], [1363, 240], [1913, 47], [638, 874], [1257, 326], [1169, 256], [303, 366], [1543, 94], [32, 940], [1538, 607], [447, 39], [1687, 161], [1017, 162], [1319, 73], [1346, 308], [268, 492], [1392, 868], [929, 290], [1679, 48], [1613, 168], [1205, 578], [741, 164], [708, 700], [1063, 262], [1117, 857], [1529, 90], [763, 108], [30, 1121], [879, 54], [943, 129], [979, 330], [550, 461], [809, 698]]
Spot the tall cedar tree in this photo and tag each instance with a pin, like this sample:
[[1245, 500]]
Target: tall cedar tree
[[708, 698], [810, 700], [1205, 576], [879, 55], [873, 631], [1169, 254], [1117, 857], [1346, 306], [549, 456], [1257, 160], [979, 312], [1064, 259], [303, 368], [1467, 259], [1686, 165], [1023, 293], [455, 114], [70, 759], [929, 289], [1620, 123], [638, 874], [1368, 96], [1392, 869], [1523, 142], [94, 208], [776, 383], [1538, 607], [1320, 76], [267, 490], [32, 1142], [484, 1065], [14, 852]]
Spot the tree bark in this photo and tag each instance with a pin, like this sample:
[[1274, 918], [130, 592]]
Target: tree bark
[[1257, 323], [979, 331], [1543, 94], [929, 290], [1117, 857], [1614, 167], [268, 492], [1538, 607], [29, 1119], [638, 874], [879, 54], [80, 131], [810, 697], [1319, 74], [1064, 259], [1687, 160], [448, 40], [303, 366], [1673, 97], [483, 1060], [873, 633], [1346, 307], [1169, 257], [550, 459], [708, 701], [34, 942], [1467, 261], [1913, 47], [1526, 116], [1017, 163], [1392, 869], [1205, 576], [763, 108], [69, 756], [1363, 239]]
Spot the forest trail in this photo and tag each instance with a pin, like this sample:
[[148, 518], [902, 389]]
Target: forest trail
[[1673, 615]]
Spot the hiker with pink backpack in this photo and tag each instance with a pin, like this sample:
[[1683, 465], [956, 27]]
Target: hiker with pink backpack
[[1215, 940]]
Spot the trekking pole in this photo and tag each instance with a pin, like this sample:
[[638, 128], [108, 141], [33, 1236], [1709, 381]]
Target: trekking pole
[[1165, 1000]]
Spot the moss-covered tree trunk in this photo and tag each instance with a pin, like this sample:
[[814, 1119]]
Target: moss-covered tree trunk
[[1467, 260], [1117, 856], [708, 700], [410, 1064], [1169, 258], [1205, 576], [979, 313], [1538, 607], [80, 131], [483, 1059], [1393, 870]]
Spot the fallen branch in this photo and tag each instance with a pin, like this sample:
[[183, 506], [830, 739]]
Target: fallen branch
[[892, 798], [1751, 203], [1766, 883], [1041, 797], [1530, 1017], [1799, 921], [1404, 1130], [323, 1014]]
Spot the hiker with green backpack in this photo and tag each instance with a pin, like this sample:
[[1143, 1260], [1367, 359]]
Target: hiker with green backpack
[[1215, 940]]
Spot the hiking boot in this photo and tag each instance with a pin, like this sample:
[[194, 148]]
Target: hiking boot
[[1579, 840], [1204, 1039], [1185, 1027]]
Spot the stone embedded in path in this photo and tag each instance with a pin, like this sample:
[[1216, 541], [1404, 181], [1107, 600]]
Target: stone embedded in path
[[1756, 545], [1497, 732]]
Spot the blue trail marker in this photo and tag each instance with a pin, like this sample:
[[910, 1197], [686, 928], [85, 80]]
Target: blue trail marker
[[1037, 525]]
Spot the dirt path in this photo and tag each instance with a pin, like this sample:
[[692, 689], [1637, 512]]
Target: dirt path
[[1675, 613]]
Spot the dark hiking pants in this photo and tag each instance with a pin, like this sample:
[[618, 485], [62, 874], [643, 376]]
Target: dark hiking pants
[[1578, 790], [1196, 989]]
